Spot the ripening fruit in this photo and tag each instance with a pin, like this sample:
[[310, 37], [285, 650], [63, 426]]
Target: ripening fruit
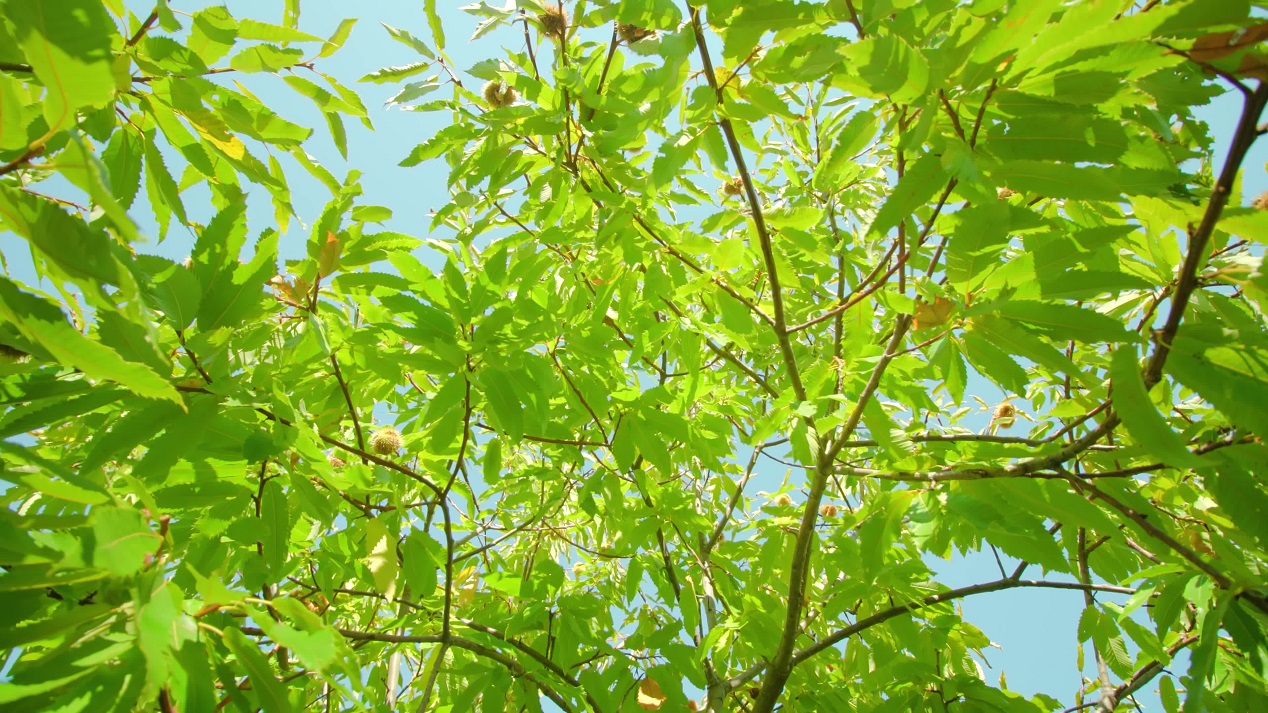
[[733, 187], [1004, 193], [317, 604], [1004, 415], [783, 499], [386, 441], [828, 510], [1261, 201], [554, 21], [498, 94], [336, 461], [632, 33]]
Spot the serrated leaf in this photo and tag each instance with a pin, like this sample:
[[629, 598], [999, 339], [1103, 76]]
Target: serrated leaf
[[1063, 321], [255, 30], [380, 557], [391, 74], [923, 179], [269, 691], [275, 514], [67, 43], [433, 22], [409, 40], [337, 39], [43, 323], [121, 540], [1142, 420]]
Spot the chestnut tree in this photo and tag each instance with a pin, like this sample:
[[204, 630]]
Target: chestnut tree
[[670, 404]]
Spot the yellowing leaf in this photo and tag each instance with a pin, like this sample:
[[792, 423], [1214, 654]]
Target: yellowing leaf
[[467, 581], [232, 146], [380, 548], [650, 697], [328, 258], [933, 314]]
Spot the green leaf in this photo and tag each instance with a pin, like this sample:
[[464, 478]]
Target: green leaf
[[409, 40], [81, 167], [1202, 658], [59, 624], [925, 176], [889, 67], [266, 58], [269, 691], [797, 218], [21, 420], [980, 235], [848, 143], [161, 187], [419, 565], [43, 323], [1062, 321], [129, 431], [265, 32], [235, 296], [121, 540], [158, 627], [275, 514], [317, 646], [324, 100], [27, 577], [340, 36], [993, 363], [174, 290], [433, 22], [391, 74], [1086, 284], [212, 33], [124, 157], [1240, 396], [16, 115], [380, 556], [505, 408], [1060, 180], [67, 43], [1133, 403], [82, 252], [1070, 137], [1017, 341]]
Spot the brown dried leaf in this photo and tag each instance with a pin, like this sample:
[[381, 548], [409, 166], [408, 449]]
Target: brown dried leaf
[[1217, 45]]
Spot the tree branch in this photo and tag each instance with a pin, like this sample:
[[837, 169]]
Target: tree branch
[[459, 642], [1243, 138], [759, 221], [799, 570], [942, 597]]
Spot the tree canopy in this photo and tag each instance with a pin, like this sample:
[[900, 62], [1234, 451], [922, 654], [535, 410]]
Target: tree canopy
[[514, 460]]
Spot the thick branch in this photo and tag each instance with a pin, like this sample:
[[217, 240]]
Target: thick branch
[[759, 221], [799, 570], [1243, 138], [947, 596], [370, 457], [474, 647]]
